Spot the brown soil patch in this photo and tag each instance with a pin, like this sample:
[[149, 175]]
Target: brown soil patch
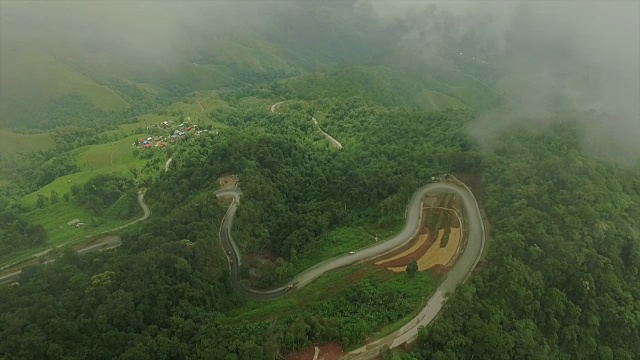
[[265, 255], [99, 240], [437, 254], [417, 249], [330, 351], [228, 180]]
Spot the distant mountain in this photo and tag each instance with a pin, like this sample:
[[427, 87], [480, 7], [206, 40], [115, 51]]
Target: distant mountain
[[42, 72]]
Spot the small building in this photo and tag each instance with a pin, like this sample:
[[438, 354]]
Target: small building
[[147, 145], [73, 222]]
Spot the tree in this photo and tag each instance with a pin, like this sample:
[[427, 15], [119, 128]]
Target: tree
[[54, 198], [42, 201], [412, 268]]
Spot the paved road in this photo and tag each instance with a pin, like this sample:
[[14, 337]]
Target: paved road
[[109, 240], [457, 274]]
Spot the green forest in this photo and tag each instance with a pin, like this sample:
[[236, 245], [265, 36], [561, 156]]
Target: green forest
[[100, 126]]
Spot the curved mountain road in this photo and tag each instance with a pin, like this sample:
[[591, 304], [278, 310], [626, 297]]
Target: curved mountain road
[[459, 272]]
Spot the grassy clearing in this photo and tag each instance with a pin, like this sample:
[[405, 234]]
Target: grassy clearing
[[112, 154], [48, 77], [54, 219], [437, 101], [114, 157], [199, 106], [126, 130], [341, 241], [191, 109], [12, 142]]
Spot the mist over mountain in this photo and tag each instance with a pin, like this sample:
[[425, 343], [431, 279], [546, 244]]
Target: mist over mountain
[[546, 58]]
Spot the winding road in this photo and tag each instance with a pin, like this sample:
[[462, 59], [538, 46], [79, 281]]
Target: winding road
[[275, 106], [331, 139], [106, 241], [457, 274]]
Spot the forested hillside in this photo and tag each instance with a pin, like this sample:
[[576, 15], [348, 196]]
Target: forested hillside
[[561, 277], [330, 115], [48, 81], [165, 291]]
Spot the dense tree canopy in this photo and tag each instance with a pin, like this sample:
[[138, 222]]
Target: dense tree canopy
[[561, 277]]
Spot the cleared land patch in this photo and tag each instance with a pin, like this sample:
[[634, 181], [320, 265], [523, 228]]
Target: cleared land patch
[[114, 157], [228, 181], [438, 242], [12, 142]]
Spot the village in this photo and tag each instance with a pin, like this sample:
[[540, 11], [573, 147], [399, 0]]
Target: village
[[162, 134]]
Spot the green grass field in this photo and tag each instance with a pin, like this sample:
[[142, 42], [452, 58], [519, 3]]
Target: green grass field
[[43, 76], [114, 157], [12, 142], [341, 241], [437, 101], [197, 114], [55, 217]]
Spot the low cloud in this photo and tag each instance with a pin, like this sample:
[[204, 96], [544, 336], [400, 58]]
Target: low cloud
[[549, 57]]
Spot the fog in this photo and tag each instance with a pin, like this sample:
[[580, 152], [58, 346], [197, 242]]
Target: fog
[[157, 32], [550, 57]]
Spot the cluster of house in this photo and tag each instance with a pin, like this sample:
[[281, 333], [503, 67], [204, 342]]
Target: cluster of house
[[146, 143], [178, 134]]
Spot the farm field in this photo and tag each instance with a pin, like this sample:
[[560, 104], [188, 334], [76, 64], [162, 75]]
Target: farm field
[[437, 243], [55, 217], [114, 157], [12, 142], [438, 253], [196, 109]]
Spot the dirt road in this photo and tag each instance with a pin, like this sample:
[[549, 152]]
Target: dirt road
[[275, 106], [331, 139]]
